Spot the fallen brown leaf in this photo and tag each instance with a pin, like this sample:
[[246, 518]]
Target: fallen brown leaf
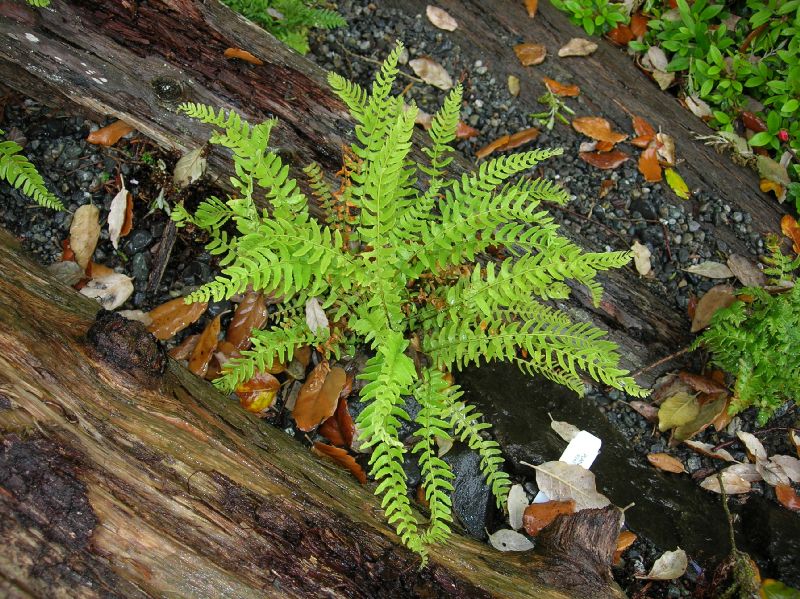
[[621, 35], [648, 411], [560, 89], [734, 485], [666, 462], [173, 316], [716, 298], [624, 540], [251, 313], [701, 383], [205, 347], [464, 131], [752, 122], [431, 72], [110, 134], [185, 349], [639, 24], [530, 54], [790, 228], [341, 457], [597, 128], [319, 396], [577, 47], [604, 160], [84, 233], [648, 165], [788, 497], [531, 6], [242, 55], [539, 515], [644, 132], [331, 431], [521, 137], [441, 18], [258, 394]]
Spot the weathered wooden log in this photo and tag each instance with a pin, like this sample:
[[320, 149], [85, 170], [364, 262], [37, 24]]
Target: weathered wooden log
[[137, 60], [122, 478]]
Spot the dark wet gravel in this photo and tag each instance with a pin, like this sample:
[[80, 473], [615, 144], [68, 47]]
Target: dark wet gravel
[[677, 234]]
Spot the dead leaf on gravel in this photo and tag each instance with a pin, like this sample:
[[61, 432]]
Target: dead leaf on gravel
[[111, 290], [597, 128], [788, 497], [745, 471], [120, 215], [431, 72], [110, 134], [772, 473], [677, 410], [258, 394], [186, 347], [703, 384], [513, 85], [201, 356], [708, 450], [625, 539], [648, 165], [753, 447], [251, 313], [577, 46], [641, 258], [509, 540], [671, 565], [190, 167], [341, 457], [748, 273], [708, 412], [539, 515], [559, 89], [244, 55], [319, 396], [666, 462], [561, 481], [716, 298], [464, 131], [516, 504], [531, 6], [734, 485], [604, 160], [441, 18], [507, 142], [173, 316], [530, 54], [84, 232], [710, 269], [676, 183], [648, 411]]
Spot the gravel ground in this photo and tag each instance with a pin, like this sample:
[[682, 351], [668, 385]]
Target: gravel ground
[[81, 173]]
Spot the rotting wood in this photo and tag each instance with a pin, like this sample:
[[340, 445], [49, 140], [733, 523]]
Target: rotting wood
[[149, 486]]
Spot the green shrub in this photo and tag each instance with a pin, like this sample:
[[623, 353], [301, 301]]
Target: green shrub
[[19, 172], [396, 266], [288, 20], [595, 16], [759, 341]]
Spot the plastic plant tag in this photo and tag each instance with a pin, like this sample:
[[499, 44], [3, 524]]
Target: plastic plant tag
[[582, 451]]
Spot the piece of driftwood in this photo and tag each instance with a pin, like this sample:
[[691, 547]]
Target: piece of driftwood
[[138, 60], [122, 475]]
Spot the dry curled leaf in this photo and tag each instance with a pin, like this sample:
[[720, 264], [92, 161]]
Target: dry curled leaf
[[624, 540], [748, 273], [716, 298], [431, 72], [734, 484], [111, 290], [84, 232], [641, 258], [790, 228], [565, 430], [530, 54], [561, 481], [597, 128], [665, 148], [341, 457], [110, 134], [708, 450], [242, 55], [258, 394], [745, 471], [710, 269], [559, 89], [699, 107], [201, 355], [509, 540], [666, 462], [539, 515], [319, 396], [794, 437], [513, 85], [604, 160], [190, 167], [648, 411], [441, 18], [649, 166], [788, 497], [173, 316], [516, 504], [464, 131], [645, 133], [753, 447], [330, 430], [671, 565], [315, 315], [577, 47], [120, 215], [508, 142]]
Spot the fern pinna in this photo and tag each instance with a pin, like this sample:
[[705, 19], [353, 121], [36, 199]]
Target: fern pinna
[[398, 270], [22, 174]]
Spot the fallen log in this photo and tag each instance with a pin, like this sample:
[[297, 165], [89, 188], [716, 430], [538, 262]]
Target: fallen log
[[137, 61], [122, 475]]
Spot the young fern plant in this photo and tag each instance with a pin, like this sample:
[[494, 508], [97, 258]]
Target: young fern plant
[[22, 174], [397, 266]]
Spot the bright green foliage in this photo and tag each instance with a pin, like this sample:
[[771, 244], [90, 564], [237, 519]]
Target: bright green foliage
[[396, 266], [595, 16], [19, 172], [288, 20], [759, 341], [39, 3]]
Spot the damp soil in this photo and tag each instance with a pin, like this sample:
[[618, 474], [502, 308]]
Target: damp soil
[[669, 510]]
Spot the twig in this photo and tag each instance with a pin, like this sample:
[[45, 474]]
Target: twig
[[377, 62], [663, 360]]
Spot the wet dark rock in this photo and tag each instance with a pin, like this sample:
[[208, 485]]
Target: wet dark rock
[[412, 471], [140, 268], [138, 240], [216, 308], [196, 272], [472, 499]]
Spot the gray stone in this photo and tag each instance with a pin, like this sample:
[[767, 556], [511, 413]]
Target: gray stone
[[471, 498]]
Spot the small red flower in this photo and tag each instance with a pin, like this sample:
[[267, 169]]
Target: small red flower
[[783, 135]]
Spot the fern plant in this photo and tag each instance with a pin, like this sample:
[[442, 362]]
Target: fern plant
[[397, 266], [758, 340], [39, 3], [22, 174], [288, 20]]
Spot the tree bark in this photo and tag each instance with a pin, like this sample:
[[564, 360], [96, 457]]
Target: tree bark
[[122, 478]]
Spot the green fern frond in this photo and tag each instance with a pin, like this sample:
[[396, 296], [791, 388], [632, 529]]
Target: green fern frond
[[39, 4], [22, 174]]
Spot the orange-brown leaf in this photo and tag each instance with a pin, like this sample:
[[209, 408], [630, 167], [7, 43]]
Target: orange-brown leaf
[[767, 185], [639, 25], [530, 54], [497, 144], [346, 425], [604, 146], [702, 383], [251, 313], [559, 89], [201, 355], [648, 165], [788, 497], [464, 131], [624, 540], [341, 457], [621, 35], [716, 298], [331, 431], [110, 134], [303, 355], [242, 55], [666, 462], [185, 349], [792, 231], [752, 122], [531, 6], [174, 316], [521, 137], [605, 187], [604, 160], [539, 515], [642, 128], [319, 396], [258, 394], [597, 128]]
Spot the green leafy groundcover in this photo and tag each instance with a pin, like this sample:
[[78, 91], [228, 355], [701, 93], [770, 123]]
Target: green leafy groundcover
[[22, 174], [396, 266]]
